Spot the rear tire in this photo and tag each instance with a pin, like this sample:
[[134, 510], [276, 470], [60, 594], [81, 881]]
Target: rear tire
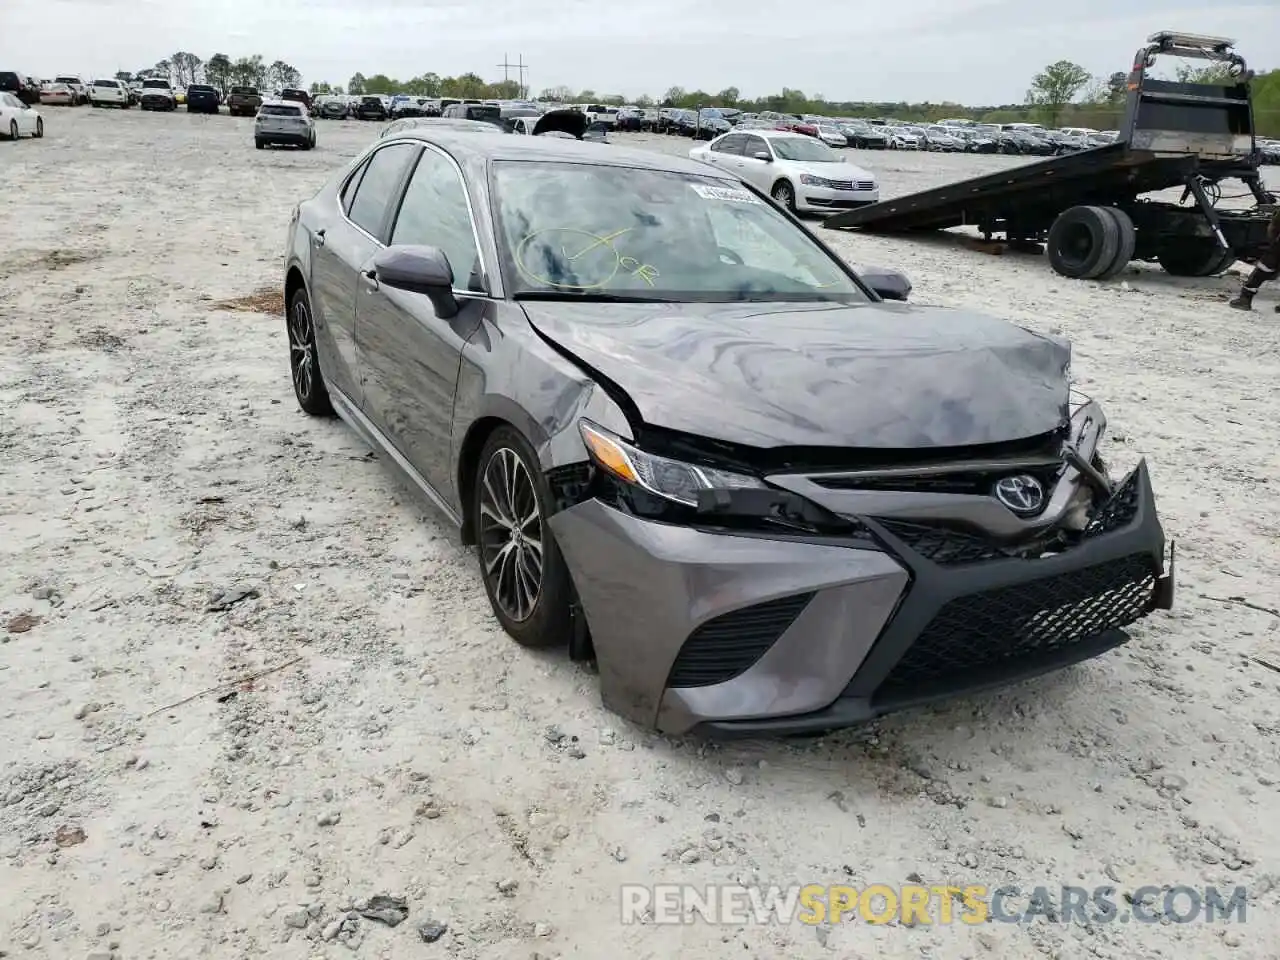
[[39, 128], [1128, 242], [506, 561], [260, 143], [1083, 242]]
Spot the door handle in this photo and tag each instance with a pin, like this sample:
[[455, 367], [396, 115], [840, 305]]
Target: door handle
[[318, 238]]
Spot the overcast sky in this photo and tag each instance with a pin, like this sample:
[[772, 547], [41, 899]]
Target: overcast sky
[[968, 51]]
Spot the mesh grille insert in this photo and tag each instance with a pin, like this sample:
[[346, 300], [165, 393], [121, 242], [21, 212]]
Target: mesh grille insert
[[1017, 624]]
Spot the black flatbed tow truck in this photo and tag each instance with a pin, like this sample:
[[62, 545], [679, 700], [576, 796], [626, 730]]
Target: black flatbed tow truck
[[1088, 208]]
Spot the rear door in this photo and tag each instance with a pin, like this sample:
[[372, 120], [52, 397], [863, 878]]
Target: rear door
[[342, 241], [410, 357], [726, 151]]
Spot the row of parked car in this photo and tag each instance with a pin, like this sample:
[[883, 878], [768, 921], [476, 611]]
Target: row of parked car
[[945, 136]]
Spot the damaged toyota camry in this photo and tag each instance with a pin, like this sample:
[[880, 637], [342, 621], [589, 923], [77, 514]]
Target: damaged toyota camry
[[687, 441]]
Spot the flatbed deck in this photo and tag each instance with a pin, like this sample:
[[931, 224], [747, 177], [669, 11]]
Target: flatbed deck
[[1101, 175]]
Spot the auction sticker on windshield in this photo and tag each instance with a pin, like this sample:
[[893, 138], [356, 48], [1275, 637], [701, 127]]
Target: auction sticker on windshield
[[724, 193]]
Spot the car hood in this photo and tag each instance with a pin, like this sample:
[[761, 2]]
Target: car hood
[[875, 375], [562, 121]]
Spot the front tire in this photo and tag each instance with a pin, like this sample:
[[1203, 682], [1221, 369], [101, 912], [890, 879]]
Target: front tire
[[785, 195], [523, 570], [304, 359], [13, 129]]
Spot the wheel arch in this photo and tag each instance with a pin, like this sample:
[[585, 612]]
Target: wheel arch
[[293, 282]]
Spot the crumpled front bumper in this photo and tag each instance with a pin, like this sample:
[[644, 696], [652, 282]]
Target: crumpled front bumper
[[755, 635]]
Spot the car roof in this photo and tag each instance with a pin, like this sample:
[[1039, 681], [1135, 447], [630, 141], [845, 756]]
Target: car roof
[[770, 133], [504, 147]]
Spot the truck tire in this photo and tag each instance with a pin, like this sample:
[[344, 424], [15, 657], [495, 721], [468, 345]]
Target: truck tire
[[1083, 242], [1195, 257], [1128, 242]]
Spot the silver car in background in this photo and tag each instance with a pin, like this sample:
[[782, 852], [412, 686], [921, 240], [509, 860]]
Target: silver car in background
[[284, 123]]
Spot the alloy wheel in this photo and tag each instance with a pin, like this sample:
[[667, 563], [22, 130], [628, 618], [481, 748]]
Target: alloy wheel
[[302, 357], [511, 534]]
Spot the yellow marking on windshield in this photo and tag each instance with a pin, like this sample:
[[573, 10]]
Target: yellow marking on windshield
[[598, 241], [594, 241]]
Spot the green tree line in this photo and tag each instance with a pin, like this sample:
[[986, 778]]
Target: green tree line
[[184, 68]]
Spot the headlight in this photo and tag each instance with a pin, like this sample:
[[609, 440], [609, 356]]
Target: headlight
[[670, 479], [811, 181]]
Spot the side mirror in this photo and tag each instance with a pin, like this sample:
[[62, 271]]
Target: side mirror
[[761, 155], [419, 269], [889, 284]]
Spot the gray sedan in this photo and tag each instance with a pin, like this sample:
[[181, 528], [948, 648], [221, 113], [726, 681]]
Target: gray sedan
[[687, 440]]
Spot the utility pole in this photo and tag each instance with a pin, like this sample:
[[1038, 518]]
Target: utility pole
[[520, 66]]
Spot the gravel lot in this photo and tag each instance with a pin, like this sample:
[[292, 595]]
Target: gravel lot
[[153, 457]]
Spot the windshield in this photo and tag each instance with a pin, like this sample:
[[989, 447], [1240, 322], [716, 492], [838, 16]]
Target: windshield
[[573, 229], [153, 84], [803, 149]]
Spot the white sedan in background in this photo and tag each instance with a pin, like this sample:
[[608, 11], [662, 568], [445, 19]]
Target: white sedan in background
[[19, 120], [800, 173]]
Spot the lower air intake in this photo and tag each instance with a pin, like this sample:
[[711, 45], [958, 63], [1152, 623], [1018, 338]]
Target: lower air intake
[[728, 645]]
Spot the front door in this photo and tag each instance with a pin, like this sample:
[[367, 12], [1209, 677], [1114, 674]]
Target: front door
[[410, 356], [757, 172]]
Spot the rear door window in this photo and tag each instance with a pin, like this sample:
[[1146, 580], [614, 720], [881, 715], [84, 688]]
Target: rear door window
[[730, 143], [378, 187]]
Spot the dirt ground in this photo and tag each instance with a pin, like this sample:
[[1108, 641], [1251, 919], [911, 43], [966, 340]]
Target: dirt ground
[[155, 466]]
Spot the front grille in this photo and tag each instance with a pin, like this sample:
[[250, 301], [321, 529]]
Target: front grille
[[726, 646], [1018, 625], [979, 483], [840, 203], [946, 546]]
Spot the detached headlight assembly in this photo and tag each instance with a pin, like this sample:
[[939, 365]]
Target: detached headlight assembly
[[670, 479]]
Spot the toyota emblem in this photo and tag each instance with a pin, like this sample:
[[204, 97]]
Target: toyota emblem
[[1023, 494]]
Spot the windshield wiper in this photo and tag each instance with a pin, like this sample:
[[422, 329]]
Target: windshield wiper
[[590, 296]]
